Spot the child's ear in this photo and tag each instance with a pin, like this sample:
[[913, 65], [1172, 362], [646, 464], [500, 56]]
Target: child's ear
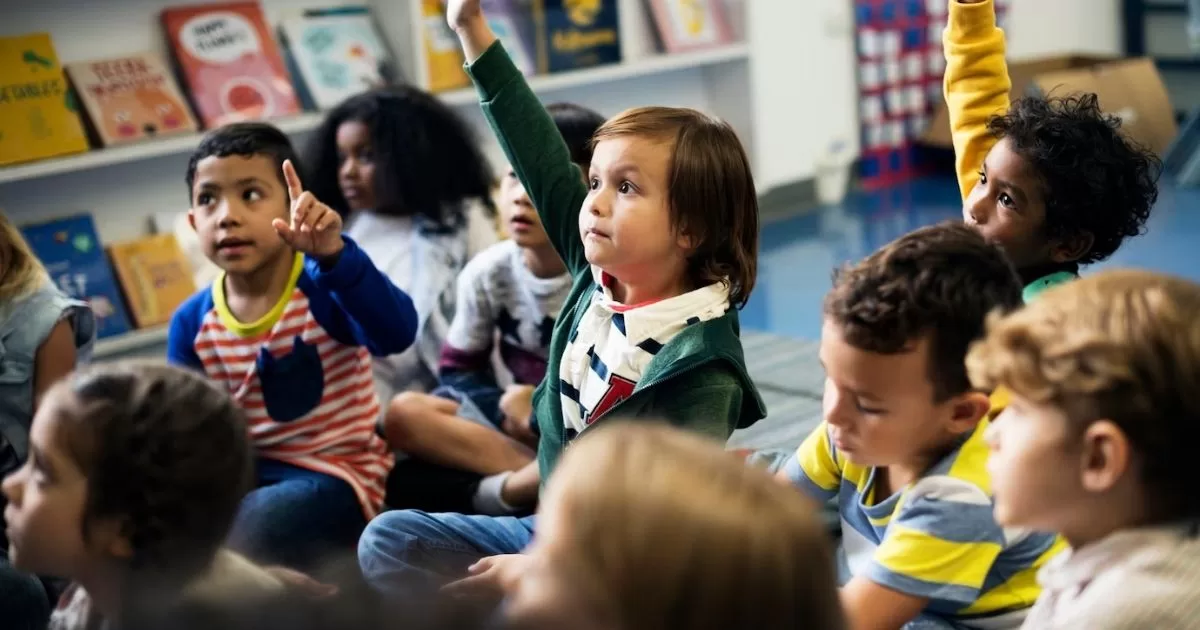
[[192, 219], [1073, 247], [967, 410], [109, 537], [1105, 456]]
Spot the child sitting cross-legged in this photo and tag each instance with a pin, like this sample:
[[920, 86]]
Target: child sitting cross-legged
[[661, 239], [288, 328], [1053, 180], [901, 444], [133, 479], [511, 293], [1097, 444]]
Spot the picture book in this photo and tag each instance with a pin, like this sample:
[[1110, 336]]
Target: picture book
[[229, 62], [71, 252], [579, 33], [39, 116], [333, 54], [512, 22], [443, 56], [131, 98], [691, 24], [155, 276]]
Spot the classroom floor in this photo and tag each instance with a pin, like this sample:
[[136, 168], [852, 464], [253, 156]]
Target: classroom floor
[[797, 253]]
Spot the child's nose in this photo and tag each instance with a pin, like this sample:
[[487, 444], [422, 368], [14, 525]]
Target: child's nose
[[11, 487], [229, 215]]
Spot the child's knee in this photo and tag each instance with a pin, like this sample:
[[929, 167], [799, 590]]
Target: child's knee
[[403, 417]]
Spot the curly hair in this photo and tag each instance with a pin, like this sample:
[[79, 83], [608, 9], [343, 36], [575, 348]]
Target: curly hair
[[428, 162], [1095, 179], [245, 139], [940, 281], [164, 450], [1119, 345]]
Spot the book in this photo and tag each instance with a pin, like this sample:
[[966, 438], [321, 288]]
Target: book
[[131, 98], [39, 115], [443, 54], [691, 24], [229, 62], [578, 34], [155, 276], [512, 22], [334, 54], [70, 250]]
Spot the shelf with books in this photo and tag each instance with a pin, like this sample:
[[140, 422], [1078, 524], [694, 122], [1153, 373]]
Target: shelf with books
[[149, 149], [130, 342]]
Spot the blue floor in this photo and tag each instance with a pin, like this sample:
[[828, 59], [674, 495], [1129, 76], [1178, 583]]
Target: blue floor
[[797, 254]]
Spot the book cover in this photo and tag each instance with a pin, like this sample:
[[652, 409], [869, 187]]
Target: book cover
[[131, 98], [336, 54], [71, 252], [512, 22], [443, 54], [578, 33], [155, 276], [229, 62], [691, 24], [39, 115]]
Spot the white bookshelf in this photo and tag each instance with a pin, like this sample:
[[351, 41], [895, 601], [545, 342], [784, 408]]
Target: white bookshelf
[[132, 342]]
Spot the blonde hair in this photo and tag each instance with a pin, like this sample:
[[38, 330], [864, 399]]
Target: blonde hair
[[1122, 346], [20, 270], [667, 530]]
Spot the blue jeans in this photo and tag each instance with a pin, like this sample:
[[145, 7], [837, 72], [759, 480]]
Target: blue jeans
[[409, 551], [296, 517]]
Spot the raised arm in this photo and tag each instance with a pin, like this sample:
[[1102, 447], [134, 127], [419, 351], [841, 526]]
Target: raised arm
[[977, 85], [526, 132]]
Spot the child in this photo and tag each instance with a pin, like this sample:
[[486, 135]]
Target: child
[[43, 334], [662, 243], [288, 329], [1052, 180], [1097, 444], [409, 179], [513, 291], [901, 443], [621, 522], [134, 476]]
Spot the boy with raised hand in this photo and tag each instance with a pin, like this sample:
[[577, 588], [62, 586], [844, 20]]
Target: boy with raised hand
[[901, 443]]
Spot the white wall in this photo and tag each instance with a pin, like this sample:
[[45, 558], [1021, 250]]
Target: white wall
[[1048, 27]]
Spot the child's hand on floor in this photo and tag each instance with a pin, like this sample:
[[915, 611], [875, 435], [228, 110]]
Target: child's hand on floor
[[517, 406], [493, 576], [315, 229]]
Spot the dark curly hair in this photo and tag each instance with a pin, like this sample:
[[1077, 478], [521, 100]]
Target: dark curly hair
[[1094, 178], [576, 124], [245, 139], [428, 162], [940, 281], [163, 450]]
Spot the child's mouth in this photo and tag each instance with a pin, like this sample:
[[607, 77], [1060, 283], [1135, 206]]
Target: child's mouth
[[233, 246], [520, 224]]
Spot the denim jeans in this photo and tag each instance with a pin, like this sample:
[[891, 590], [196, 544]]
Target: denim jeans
[[296, 517], [414, 552]]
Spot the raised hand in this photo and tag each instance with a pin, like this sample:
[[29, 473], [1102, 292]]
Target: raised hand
[[462, 13], [315, 228], [467, 20]]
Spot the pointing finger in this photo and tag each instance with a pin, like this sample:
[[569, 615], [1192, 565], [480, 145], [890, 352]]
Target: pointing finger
[[295, 189]]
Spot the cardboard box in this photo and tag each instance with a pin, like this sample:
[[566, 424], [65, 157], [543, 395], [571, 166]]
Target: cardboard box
[[1131, 89]]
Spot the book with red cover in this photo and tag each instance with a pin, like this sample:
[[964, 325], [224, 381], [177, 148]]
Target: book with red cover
[[131, 98], [229, 62]]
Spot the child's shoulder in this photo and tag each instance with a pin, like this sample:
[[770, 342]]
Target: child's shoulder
[[195, 307], [495, 261]]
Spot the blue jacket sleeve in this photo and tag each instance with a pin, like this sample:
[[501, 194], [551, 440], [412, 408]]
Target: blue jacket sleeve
[[358, 305], [182, 331]]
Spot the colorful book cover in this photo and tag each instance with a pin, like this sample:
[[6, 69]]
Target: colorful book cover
[[155, 276], [229, 62], [443, 54], [71, 252], [39, 116], [579, 33], [691, 24], [335, 54], [131, 98], [512, 22]]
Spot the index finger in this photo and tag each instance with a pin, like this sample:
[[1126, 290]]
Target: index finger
[[295, 189]]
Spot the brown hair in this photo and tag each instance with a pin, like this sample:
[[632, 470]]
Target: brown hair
[[939, 281], [1119, 345], [20, 270], [164, 450], [670, 531], [711, 192]]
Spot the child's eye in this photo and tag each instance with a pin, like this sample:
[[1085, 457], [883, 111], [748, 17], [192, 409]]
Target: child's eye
[[252, 194], [982, 177], [594, 183], [625, 188], [867, 410], [204, 199], [1006, 200]]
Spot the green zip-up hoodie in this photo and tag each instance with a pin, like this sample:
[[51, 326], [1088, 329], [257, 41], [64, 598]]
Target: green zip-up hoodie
[[698, 380]]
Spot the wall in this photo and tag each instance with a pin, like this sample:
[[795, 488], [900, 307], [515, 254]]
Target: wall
[[1048, 27]]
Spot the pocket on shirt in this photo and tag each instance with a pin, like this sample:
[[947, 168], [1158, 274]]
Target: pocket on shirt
[[292, 385]]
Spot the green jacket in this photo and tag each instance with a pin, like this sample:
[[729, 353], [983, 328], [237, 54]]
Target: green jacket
[[698, 380]]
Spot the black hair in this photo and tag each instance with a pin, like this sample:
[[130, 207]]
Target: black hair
[[577, 125], [164, 451], [427, 160], [245, 139], [1095, 179]]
